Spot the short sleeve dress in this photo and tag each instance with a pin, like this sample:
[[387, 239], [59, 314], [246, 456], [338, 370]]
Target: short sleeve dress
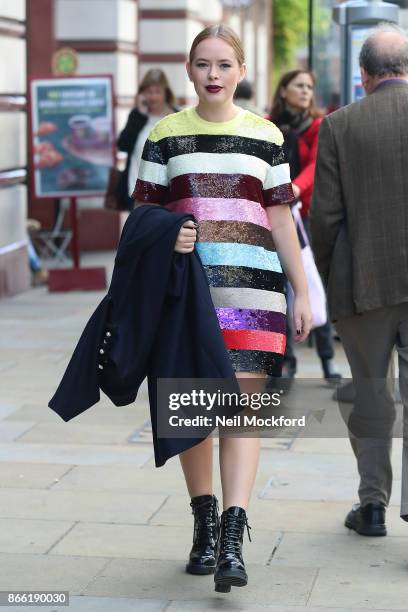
[[226, 174]]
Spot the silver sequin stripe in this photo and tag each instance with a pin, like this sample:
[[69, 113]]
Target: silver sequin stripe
[[232, 297]]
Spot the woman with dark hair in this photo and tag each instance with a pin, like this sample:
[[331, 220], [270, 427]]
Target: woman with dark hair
[[154, 101], [295, 112]]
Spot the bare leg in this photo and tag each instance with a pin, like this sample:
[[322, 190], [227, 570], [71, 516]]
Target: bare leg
[[197, 464], [239, 458]]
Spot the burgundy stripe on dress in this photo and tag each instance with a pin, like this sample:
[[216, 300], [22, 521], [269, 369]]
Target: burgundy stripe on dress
[[282, 194], [212, 185], [149, 192]]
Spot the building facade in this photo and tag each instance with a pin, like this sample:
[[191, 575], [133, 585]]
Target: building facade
[[123, 38], [14, 273]]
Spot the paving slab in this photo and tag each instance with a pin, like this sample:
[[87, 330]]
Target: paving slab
[[44, 572], [6, 365], [341, 551], [124, 478], [295, 516], [96, 506], [77, 433], [15, 430], [101, 454], [375, 588], [167, 580], [30, 536], [317, 476], [325, 445], [268, 514], [78, 603], [31, 475], [7, 409], [104, 413], [147, 542], [304, 517], [203, 606], [310, 465]]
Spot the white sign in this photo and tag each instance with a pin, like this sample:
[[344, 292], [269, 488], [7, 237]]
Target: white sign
[[358, 35]]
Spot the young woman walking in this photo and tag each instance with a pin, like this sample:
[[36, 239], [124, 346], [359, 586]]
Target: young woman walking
[[226, 166]]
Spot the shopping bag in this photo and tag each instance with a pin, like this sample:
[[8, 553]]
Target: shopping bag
[[317, 295]]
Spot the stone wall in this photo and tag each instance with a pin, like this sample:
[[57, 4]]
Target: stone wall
[[14, 271]]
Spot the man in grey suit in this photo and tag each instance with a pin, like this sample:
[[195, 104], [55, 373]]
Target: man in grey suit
[[359, 225]]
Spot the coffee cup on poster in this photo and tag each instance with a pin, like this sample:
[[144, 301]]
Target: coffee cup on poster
[[101, 127], [81, 130]]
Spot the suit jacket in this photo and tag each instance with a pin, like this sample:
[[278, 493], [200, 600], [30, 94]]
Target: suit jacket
[[359, 212], [162, 324]]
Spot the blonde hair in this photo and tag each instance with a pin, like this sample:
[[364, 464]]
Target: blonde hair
[[156, 76], [225, 33]]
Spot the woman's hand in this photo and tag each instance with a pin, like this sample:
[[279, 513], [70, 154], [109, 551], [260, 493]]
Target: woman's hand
[[186, 238], [302, 317], [296, 190]]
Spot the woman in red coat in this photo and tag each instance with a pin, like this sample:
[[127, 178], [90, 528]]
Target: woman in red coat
[[295, 112]]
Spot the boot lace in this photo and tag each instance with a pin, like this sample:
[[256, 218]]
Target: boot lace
[[233, 529], [205, 515]]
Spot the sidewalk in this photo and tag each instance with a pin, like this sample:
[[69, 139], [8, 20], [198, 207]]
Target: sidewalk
[[83, 509]]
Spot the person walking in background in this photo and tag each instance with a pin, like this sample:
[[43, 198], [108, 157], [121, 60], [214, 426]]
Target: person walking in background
[[226, 166], [359, 226], [295, 112], [155, 100], [39, 274], [243, 97]]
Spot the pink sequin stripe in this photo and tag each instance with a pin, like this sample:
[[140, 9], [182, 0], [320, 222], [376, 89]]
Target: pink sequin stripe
[[222, 209]]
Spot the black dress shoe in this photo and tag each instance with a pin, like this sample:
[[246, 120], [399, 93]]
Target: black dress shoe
[[368, 520], [230, 570], [329, 372], [345, 393], [203, 553]]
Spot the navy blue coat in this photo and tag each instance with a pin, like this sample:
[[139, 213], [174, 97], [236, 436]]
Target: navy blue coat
[[162, 324]]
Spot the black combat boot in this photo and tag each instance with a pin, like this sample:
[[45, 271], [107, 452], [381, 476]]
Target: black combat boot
[[230, 570], [206, 534]]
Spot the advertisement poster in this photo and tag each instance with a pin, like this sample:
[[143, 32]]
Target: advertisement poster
[[72, 135], [358, 36]]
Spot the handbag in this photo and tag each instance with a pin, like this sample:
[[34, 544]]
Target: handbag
[[112, 200], [317, 294]]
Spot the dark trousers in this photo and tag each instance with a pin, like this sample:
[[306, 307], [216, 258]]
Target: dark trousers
[[369, 339]]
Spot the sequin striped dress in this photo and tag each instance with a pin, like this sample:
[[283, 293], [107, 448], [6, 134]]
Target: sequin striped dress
[[226, 174]]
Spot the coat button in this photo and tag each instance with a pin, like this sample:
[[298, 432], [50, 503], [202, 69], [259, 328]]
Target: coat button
[[102, 352]]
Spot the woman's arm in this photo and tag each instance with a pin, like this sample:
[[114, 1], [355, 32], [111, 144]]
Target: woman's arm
[[128, 136], [288, 248], [304, 180]]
